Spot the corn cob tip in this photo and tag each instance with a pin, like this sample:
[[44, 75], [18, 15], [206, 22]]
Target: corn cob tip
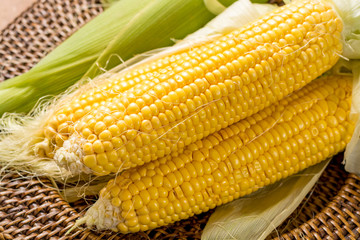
[[103, 215], [68, 156]]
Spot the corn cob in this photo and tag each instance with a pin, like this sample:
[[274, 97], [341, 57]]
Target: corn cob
[[301, 130], [160, 107]]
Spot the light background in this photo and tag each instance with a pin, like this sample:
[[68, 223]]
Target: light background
[[10, 9]]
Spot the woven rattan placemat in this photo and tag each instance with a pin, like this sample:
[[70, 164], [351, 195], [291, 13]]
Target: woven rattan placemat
[[31, 209]]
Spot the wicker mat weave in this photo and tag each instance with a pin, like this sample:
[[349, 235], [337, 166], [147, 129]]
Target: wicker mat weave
[[31, 209]]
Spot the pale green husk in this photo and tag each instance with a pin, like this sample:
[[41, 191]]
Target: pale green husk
[[349, 11], [352, 152], [257, 215], [214, 6]]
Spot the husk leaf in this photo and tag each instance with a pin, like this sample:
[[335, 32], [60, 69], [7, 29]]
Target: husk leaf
[[352, 152]]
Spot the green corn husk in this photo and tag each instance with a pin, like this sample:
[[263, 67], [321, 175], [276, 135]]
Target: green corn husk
[[136, 26]]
